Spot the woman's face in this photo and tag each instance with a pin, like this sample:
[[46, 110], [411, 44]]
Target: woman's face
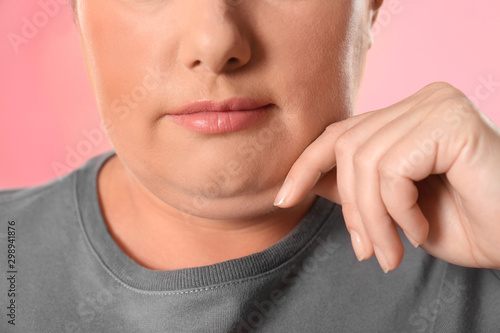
[[147, 58]]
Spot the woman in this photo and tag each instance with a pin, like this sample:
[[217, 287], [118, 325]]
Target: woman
[[229, 119]]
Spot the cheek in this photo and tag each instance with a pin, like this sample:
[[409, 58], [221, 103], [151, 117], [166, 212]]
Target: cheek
[[312, 72], [123, 60]]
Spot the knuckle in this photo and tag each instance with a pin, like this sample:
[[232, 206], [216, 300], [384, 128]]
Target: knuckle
[[343, 144], [438, 92], [363, 159], [441, 86], [387, 170], [457, 109], [455, 101], [332, 131], [333, 128], [358, 159], [350, 213]]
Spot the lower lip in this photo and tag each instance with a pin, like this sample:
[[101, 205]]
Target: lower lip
[[221, 121]]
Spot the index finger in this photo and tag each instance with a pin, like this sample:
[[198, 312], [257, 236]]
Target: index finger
[[315, 162], [319, 157]]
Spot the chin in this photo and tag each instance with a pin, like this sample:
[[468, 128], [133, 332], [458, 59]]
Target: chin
[[241, 207]]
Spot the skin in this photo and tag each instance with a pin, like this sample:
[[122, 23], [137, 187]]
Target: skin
[[428, 164], [175, 199]]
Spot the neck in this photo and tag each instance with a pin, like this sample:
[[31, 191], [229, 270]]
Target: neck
[[160, 237]]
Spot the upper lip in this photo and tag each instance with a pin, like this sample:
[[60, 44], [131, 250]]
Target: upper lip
[[231, 104]]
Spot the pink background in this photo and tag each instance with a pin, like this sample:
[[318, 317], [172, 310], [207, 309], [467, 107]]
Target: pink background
[[46, 105]]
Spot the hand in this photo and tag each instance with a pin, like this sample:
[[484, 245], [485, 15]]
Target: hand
[[430, 164]]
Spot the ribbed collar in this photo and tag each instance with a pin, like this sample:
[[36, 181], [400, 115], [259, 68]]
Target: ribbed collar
[[139, 277]]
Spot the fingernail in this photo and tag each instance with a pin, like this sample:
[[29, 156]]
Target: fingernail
[[358, 247], [284, 192], [382, 259], [412, 241]]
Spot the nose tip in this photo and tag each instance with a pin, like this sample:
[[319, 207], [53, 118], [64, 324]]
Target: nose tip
[[215, 43]]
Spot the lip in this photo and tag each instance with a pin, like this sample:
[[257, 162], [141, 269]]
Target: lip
[[216, 117]]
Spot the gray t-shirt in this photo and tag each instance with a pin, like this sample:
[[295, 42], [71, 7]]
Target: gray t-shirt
[[66, 274]]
